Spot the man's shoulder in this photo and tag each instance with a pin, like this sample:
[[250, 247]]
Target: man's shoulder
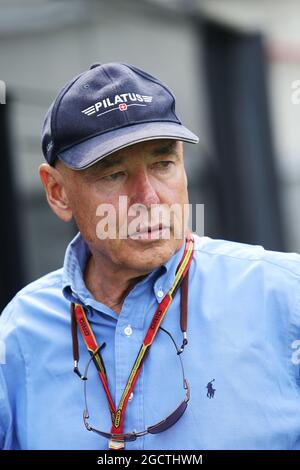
[[39, 292], [44, 283], [233, 252]]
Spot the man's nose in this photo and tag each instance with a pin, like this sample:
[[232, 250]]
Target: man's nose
[[142, 190]]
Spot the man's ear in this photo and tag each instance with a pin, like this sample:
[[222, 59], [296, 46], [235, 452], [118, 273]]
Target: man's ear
[[53, 183]]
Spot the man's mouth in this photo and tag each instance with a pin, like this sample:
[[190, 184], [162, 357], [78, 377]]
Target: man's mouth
[[151, 233]]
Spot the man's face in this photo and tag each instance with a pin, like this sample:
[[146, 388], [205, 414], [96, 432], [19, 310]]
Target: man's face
[[150, 174]]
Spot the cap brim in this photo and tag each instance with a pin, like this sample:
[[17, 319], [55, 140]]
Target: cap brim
[[96, 148]]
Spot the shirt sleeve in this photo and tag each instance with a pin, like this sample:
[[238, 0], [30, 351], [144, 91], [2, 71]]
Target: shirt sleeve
[[294, 343], [13, 385], [5, 416]]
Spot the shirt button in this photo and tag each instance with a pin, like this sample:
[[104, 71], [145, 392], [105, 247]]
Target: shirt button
[[130, 396], [128, 330], [160, 293]]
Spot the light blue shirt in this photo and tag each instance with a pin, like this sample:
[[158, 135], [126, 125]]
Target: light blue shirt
[[243, 331]]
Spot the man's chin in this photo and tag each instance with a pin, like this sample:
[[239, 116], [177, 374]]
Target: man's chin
[[147, 255]]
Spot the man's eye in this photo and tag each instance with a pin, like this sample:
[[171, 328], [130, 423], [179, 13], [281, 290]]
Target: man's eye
[[114, 176], [163, 164]]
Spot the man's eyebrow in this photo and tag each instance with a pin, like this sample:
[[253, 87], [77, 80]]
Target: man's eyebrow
[[109, 162], [117, 159], [165, 149]]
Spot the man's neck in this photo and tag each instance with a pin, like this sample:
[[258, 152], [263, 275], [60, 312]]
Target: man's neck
[[109, 285]]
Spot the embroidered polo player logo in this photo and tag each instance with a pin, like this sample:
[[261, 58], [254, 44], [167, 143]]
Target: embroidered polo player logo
[[210, 389]]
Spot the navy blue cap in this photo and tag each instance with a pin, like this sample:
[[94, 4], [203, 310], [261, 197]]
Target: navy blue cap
[[106, 108]]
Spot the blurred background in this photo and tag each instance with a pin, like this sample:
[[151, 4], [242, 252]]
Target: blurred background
[[233, 66]]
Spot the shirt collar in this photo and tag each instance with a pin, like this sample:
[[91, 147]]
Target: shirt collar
[[77, 253]]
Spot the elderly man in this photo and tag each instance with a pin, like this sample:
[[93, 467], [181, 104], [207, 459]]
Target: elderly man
[[176, 341]]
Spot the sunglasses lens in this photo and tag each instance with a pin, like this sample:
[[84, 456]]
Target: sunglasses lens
[[101, 433], [169, 421], [123, 437], [130, 437]]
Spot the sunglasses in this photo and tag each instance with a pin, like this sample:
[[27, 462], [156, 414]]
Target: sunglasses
[[163, 425]]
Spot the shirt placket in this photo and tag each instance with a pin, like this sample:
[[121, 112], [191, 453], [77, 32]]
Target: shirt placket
[[129, 336]]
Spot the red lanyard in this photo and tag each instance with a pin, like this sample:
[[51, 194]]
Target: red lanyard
[[79, 318]]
